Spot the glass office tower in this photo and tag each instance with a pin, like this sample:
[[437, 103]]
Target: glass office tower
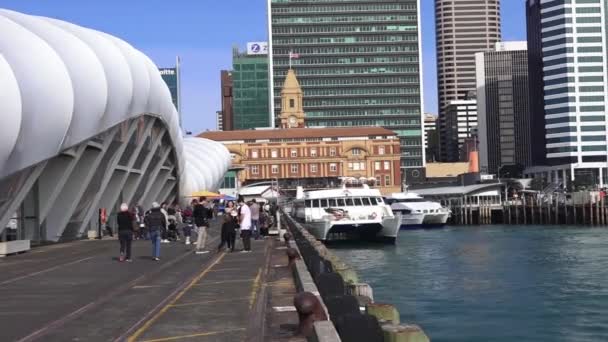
[[250, 107], [568, 40], [358, 63]]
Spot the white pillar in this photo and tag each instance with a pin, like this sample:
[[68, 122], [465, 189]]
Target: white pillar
[[565, 176], [601, 177]]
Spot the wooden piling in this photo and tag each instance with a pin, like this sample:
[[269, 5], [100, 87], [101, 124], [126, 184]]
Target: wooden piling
[[565, 211], [597, 212], [540, 213], [525, 209], [555, 209]]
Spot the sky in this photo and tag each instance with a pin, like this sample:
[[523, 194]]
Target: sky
[[202, 33]]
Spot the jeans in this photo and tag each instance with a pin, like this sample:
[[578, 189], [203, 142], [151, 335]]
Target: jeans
[[255, 228], [246, 235], [125, 239], [201, 240], [155, 237]]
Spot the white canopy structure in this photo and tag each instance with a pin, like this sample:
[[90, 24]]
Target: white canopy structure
[[87, 123]]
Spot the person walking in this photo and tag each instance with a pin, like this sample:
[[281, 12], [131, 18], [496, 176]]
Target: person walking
[[188, 224], [255, 219], [201, 214], [235, 228], [165, 232], [228, 231], [125, 221], [245, 220], [156, 222], [229, 207]]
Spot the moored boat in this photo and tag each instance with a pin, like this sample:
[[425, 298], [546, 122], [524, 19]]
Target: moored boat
[[343, 213], [417, 212]]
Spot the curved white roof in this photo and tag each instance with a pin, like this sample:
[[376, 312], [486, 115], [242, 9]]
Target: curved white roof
[[62, 84]]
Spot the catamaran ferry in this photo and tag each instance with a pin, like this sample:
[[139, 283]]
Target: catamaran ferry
[[336, 214], [417, 212]]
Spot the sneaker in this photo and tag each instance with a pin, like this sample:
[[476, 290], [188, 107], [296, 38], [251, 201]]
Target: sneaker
[[244, 251], [129, 260], [156, 259]]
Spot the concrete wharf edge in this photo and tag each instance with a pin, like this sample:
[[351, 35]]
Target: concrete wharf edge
[[387, 314]]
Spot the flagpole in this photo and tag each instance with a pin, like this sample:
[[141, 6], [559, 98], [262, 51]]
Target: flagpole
[[290, 60]]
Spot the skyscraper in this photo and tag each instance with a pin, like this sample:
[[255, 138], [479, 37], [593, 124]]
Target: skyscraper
[[250, 88], [227, 100], [572, 48], [461, 118], [171, 76], [358, 63], [503, 107], [430, 136], [462, 28]]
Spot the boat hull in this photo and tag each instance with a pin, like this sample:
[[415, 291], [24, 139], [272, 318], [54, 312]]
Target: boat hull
[[385, 230], [426, 221]]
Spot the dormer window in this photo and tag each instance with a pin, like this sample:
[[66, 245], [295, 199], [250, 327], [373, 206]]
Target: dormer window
[[292, 103]]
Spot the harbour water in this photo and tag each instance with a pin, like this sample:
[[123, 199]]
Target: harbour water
[[493, 283]]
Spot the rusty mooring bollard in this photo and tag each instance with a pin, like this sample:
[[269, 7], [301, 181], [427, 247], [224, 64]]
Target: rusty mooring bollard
[[287, 237], [309, 311], [293, 255]]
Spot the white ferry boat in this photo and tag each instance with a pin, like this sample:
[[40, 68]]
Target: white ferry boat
[[336, 214], [417, 212]]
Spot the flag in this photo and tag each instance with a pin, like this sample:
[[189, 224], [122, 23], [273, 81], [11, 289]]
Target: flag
[[294, 55]]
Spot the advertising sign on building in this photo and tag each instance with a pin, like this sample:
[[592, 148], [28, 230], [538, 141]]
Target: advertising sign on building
[[169, 75], [257, 48]]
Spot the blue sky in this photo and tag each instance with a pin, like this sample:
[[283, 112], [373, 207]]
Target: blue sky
[[202, 33]]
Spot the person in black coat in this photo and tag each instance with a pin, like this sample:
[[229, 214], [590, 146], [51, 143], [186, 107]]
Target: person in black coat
[[202, 214], [229, 228], [125, 232], [156, 223]]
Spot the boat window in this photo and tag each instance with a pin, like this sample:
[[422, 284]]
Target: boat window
[[366, 201], [332, 202], [324, 203], [373, 200], [315, 203], [308, 203], [349, 202], [358, 202], [379, 199], [341, 202]]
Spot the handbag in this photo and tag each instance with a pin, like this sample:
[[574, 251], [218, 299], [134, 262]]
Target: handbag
[[135, 226]]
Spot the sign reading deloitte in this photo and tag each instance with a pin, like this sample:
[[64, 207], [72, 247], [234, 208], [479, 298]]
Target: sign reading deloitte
[[257, 48], [169, 75]]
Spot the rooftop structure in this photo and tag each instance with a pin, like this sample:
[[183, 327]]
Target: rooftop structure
[[88, 123]]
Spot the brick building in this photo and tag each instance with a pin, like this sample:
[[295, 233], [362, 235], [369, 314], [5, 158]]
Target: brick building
[[312, 157]]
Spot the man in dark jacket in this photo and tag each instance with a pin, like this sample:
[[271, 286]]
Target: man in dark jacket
[[156, 223], [201, 214], [125, 232]]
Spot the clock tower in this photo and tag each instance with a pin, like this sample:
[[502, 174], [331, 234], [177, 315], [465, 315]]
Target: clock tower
[[292, 112]]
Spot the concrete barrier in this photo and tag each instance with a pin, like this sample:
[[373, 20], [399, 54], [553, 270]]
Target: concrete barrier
[[324, 331], [315, 253], [14, 247]]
